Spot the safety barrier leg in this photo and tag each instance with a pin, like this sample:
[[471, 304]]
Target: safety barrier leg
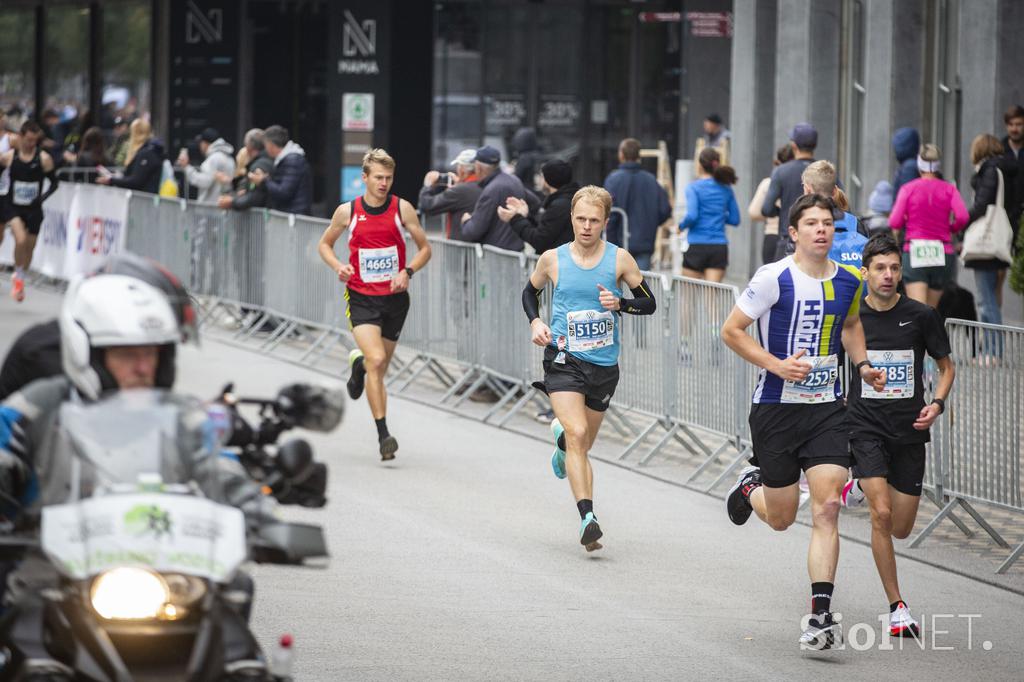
[[933, 524], [660, 444], [1014, 555], [952, 517], [508, 395], [980, 520], [639, 439], [520, 404], [712, 458], [729, 469]]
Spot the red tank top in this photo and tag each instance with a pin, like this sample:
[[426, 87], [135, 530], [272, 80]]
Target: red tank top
[[376, 247]]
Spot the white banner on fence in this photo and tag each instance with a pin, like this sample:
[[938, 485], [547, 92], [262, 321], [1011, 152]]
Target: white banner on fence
[[82, 225], [96, 224]]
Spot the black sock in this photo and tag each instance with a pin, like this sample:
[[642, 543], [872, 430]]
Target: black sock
[[382, 428], [821, 597], [561, 441], [585, 507], [895, 605]]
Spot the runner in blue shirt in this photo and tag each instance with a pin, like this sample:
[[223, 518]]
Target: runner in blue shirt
[[710, 206]]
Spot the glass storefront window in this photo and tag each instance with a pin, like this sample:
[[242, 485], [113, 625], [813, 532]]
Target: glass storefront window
[[67, 71], [17, 57], [126, 61]]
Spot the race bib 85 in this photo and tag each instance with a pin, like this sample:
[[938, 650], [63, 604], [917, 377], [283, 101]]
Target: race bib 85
[[898, 366]]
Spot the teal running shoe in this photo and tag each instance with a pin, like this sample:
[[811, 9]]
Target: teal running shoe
[[590, 532], [558, 456]]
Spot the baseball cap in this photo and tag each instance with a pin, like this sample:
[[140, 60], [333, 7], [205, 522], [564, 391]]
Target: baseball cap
[[804, 135], [465, 158], [488, 155], [208, 135]]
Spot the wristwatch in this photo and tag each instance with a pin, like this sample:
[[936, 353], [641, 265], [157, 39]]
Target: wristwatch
[[941, 403], [861, 364], [409, 271]]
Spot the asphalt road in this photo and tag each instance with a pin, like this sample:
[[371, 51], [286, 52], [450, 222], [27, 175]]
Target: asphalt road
[[460, 560]]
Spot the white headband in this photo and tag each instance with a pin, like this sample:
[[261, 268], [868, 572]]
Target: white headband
[[927, 166]]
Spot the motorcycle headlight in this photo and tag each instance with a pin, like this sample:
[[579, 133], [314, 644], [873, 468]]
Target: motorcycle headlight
[[129, 593]]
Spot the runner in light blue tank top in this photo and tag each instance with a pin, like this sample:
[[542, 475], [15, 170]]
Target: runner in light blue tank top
[[581, 347], [589, 331]]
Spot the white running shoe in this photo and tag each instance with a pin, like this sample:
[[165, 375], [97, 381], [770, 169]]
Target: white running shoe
[[902, 624], [852, 496], [820, 636]]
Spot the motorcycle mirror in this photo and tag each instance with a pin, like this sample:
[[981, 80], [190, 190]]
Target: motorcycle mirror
[[312, 407], [294, 457]]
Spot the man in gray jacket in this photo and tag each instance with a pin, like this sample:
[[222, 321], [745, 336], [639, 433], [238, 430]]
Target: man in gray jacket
[[484, 225], [218, 158], [452, 193]]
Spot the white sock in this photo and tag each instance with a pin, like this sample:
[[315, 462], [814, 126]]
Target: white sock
[[19, 273]]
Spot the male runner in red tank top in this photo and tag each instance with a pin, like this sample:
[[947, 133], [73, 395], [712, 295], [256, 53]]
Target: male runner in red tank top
[[377, 280]]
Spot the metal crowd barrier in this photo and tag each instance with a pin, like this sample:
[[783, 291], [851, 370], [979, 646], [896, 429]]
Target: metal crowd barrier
[[678, 382], [978, 449]]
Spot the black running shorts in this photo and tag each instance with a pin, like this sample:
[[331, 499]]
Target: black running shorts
[[902, 464], [702, 257], [788, 438], [387, 312], [596, 382], [32, 217]]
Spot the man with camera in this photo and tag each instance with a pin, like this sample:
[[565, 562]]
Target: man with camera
[[453, 193]]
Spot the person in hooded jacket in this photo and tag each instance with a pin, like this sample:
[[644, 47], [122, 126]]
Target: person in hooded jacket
[[905, 143], [145, 161], [526, 154], [290, 184], [218, 158], [553, 226]]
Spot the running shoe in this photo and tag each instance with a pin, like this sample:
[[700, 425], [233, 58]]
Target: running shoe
[[590, 533], [902, 624], [388, 448], [737, 502], [18, 289], [558, 456], [822, 633], [852, 495], [545, 416], [357, 374]]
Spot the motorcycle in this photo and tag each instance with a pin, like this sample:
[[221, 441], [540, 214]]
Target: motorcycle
[[138, 575]]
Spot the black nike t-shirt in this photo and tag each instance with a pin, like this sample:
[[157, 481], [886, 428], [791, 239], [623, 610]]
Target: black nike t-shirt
[[897, 340]]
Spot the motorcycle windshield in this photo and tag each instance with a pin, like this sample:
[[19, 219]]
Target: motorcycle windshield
[[133, 495], [133, 439]]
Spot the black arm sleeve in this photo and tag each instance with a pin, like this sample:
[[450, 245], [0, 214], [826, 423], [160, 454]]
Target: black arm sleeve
[[531, 301], [642, 303], [54, 183]]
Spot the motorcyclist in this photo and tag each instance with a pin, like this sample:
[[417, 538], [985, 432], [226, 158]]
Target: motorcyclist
[[116, 333]]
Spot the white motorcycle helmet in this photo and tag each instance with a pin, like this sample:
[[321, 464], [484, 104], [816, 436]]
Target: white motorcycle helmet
[[114, 310]]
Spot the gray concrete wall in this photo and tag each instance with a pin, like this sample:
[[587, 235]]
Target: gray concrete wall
[[1010, 32], [824, 76], [908, 64], [876, 158], [792, 66], [744, 116], [978, 76]]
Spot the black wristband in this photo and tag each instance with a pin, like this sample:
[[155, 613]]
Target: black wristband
[[409, 271], [861, 364], [941, 403]]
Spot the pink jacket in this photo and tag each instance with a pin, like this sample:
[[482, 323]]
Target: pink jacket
[[923, 206]]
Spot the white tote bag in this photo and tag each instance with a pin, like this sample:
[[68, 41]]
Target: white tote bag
[[990, 236]]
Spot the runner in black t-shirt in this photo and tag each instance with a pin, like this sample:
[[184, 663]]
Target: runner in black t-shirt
[[889, 429]]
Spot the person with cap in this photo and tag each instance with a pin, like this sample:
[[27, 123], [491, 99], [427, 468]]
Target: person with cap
[[453, 193], [715, 136], [931, 211], [787, 185], [483, 225], [552, 226], [218, 157], [879, 207]]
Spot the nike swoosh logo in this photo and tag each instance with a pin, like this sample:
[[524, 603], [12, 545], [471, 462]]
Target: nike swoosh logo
[[904, 324]]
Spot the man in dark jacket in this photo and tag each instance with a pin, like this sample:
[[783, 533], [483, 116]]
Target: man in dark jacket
[[247, 194], [455, 196], [645, 202], [484, 225], [906, 143], [290, 184], [553, 225]]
